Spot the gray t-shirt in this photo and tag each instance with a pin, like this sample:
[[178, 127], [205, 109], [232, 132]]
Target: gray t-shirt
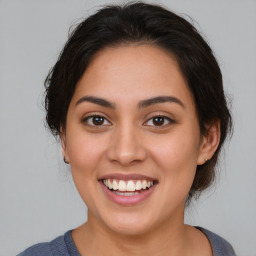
[[65, 246]]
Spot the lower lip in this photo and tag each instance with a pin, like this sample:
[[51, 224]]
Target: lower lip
[[127, 200]]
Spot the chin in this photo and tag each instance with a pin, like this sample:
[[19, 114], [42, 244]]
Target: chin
[[128, 229], [129, 224]]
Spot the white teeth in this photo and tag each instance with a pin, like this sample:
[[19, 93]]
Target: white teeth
[[109, 184], [126, 193], [122, 185], [130, 185], [115, 185], [138, 185], [144, 184]]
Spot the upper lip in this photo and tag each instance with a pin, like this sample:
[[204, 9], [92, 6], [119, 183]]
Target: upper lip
[[132, 176]]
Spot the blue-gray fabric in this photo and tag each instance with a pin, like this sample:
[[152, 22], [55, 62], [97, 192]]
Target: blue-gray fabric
[[65, 246], [220, 246]]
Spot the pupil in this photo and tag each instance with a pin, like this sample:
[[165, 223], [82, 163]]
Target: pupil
[[158, 120], [98, 120]]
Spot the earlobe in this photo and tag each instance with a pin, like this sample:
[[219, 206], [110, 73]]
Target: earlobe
[[209, 143], [64, 145]]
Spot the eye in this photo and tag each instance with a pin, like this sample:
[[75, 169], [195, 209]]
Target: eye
[[96, 120], [159, 121]]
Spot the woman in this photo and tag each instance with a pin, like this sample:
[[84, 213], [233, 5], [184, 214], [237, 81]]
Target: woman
[[137, 100]]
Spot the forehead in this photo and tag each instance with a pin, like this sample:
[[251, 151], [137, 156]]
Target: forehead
[[134, 72]]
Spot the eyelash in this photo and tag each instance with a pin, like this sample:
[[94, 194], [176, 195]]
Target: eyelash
[[89, 121]]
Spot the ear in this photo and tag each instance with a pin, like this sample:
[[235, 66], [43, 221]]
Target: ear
[[63, 144], [209, 143]]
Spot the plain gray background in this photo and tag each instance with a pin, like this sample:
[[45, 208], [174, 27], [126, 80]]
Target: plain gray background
[[38, 200]]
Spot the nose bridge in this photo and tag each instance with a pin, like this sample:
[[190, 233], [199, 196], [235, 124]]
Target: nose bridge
[[126, 146]]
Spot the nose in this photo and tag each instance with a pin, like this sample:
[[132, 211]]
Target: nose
[[126, 147]]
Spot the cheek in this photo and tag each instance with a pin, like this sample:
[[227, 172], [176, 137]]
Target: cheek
[[176, 150], [176, 155], [84, 151]]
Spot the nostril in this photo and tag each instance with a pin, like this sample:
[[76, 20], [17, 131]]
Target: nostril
[[126, 150]]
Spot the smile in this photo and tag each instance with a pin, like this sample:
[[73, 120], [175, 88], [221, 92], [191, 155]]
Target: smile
[[128, 189]]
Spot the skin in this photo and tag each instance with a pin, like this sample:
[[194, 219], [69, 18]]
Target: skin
[[128, 141]]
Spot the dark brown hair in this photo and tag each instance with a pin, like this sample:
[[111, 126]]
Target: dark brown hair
[[151, 24]]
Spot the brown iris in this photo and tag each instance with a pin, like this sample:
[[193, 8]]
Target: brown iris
[[159, 120], [98, 120]]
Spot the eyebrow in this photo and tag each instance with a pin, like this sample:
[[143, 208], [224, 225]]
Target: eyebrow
[[142, 104], [160, 99], [96, 100]]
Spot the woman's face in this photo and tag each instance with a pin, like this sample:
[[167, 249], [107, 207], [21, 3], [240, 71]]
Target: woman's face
[[132, 139]]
